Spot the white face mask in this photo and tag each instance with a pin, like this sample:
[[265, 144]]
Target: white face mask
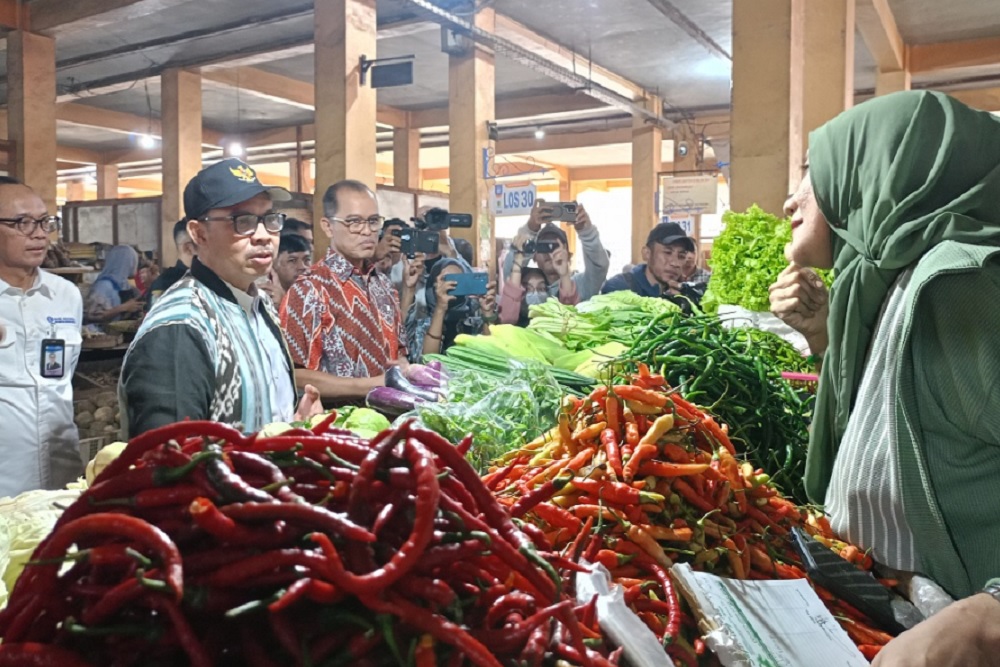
[[535, 298]]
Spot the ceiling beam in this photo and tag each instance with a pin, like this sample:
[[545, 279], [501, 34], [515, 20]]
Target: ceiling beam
[[563, 141], [985, 99], [79, 155], [14, 14], [954, 55], [562, 56], [286, 90], [693, 30], [877, 25], [121, 122], [508, 108], [601, 172], [55, 16]]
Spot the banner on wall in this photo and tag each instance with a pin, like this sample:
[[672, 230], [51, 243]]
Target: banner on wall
[[689, 195], [513, 200]]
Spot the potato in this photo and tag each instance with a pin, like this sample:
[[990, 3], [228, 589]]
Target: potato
[[84, 419], [84, 405], [107, 399], [104, 414]]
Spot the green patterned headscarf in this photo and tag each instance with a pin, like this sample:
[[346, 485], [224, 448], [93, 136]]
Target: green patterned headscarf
[[894, 177]]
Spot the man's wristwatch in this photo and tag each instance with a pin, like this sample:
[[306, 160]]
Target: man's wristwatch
[[992, 588]]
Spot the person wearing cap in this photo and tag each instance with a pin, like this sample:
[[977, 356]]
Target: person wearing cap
[[662, 272], [211, 347], [185, 256], [541, 228], [342, 318]]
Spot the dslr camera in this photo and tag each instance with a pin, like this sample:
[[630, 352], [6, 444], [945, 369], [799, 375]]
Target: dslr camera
[[438, 219], [541, 247]]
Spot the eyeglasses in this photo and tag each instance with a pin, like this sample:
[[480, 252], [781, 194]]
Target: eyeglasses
[[245, 224], [27, 225], [356, 224]]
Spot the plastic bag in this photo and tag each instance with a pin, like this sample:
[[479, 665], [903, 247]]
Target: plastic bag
[[735, 316]]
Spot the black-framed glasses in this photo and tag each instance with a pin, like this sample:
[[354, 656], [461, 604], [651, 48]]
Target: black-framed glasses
[[356, 224], [245, 224], [27, 225]]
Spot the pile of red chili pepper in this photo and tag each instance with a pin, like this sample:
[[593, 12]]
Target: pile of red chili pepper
[[637, 478], [201, 546]]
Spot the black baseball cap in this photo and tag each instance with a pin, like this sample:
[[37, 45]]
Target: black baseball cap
[[669, 233], [550, 231], [225, 184]]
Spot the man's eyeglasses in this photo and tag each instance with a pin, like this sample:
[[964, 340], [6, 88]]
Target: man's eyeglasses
[[356, 224], [27, 225], [245, 224]]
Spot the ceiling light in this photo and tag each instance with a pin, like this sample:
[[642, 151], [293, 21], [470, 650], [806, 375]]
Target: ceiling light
[[539, 133], [235, 149], [147, 142]]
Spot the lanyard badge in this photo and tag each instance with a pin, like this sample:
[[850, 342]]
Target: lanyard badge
[[53, 358]]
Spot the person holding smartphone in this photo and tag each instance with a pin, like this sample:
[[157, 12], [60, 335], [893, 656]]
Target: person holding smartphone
[[450, 314], [526, 287], [541, 228]]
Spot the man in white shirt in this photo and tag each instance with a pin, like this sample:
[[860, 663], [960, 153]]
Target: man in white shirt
[[40, 317]]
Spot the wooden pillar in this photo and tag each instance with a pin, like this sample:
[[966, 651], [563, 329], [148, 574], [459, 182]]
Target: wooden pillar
[[181, 119], [406, 157], [822, 67], [295, 175], [762, 48], [345, 130], [892, 82], [76, 190], [471, 104], [647, 157], [107, 181], [31, 102]]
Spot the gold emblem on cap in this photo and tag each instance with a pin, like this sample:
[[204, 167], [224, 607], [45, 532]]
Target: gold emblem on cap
[[244, 173]]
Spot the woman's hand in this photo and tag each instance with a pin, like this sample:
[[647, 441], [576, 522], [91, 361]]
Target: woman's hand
[[517, 246], [488, 303], [964, 634], [560, 262], [441, 289], [800, 299]]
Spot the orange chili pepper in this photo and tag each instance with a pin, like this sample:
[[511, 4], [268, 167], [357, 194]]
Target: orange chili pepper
[[663, 469]]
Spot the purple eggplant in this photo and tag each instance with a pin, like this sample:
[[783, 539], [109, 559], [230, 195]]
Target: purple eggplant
[[425, 376], [395, 379], [392, 401]]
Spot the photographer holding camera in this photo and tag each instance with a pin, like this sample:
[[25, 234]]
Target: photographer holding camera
[[528, 287], [548, 244]]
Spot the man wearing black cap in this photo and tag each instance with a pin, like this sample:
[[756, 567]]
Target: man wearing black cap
[[211, 347], [662, 273]]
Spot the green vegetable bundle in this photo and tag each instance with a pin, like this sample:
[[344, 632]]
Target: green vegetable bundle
[[746, 259], [603, 319], [736, 373], [504, 411]]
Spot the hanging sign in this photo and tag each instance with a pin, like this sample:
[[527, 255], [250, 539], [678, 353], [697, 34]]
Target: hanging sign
[[689, 195], [507, 200]]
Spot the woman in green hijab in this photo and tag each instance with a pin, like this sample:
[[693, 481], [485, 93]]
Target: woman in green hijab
[[902, 199]]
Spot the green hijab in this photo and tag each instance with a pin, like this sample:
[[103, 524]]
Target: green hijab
[[894, 177]]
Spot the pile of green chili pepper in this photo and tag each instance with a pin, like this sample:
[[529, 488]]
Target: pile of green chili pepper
[[736, 374], [202, 546]]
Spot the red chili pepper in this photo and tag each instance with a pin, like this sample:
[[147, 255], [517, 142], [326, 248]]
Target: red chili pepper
[[325, 424], [514, 601], [434, 591], [617, 493], [310, 515], [493, 480], [256, 464], [609, 439], [534, 648], [210, 518], [544, 492], [28, 654], [424, 655], [557, 517], [186, 637], [243, 573]]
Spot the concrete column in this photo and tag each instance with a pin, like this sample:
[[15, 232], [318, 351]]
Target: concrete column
[[471, 104], [892, 82], [76, 190], [406, 158], [822, 67], [107, 181], [31, 103], [762, 47], [181, 119], [647, 158], [345, 128]]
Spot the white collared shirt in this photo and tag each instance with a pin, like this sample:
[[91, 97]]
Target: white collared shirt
[[282, 390], [39, 442]]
